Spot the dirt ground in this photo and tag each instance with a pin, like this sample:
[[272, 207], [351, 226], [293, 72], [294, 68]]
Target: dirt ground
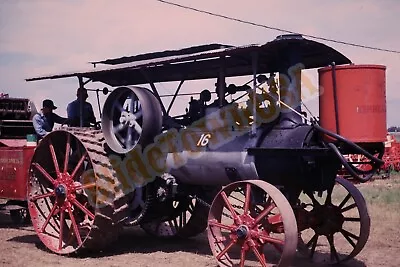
[[21, 247]]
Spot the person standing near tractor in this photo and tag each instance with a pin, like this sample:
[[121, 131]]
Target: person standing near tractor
[[44, 122], [73, 110]]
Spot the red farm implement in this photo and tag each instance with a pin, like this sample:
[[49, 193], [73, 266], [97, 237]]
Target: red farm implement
[[15, 155], [392, 153], [391, 158]]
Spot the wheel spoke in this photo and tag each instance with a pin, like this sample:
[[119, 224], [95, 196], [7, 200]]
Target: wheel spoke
[[52, 212], [131, 106], [49, 194], [75, 227], [78, 165], [83, 208], [328, 199], [85, 186], [231, 209], [181, 221], [45, 173], [265, 212], [54, 158], [191, 207], [271, 240], [334, 254], [225, 250], [120, 138], [313, 241], [137, 127], [174, 225], [344, 201], [49, 205], [184, 219], [128, 140], [242, 257], [350, 219], [260, 258], [222, 226], [247, 199], [67, 150], [119, 127], [60, 238], [349, 207], [348, 237]]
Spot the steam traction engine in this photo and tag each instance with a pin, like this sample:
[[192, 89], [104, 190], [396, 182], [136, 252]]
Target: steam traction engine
[[15, 154], [260, 177]]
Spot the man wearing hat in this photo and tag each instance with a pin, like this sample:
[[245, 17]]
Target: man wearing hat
[[73, 110], [44, 122]]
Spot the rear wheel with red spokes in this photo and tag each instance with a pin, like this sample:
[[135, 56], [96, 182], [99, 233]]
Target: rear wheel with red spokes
[[70, 192], [339, 224], [251, 223]]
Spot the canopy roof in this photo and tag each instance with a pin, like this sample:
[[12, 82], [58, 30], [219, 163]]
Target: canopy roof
[[205, 61]]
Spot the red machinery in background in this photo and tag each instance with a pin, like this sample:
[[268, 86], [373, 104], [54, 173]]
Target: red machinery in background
[[15, 154], [391, 158], [392, 153]]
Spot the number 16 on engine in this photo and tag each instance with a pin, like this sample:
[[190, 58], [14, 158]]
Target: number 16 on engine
[[204, 139]]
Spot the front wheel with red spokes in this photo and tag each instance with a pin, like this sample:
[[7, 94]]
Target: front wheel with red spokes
[[251, 223], [63, 200]]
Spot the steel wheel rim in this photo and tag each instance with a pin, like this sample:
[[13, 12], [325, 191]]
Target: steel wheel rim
[[61, 203], [248, 230], [352, 201]]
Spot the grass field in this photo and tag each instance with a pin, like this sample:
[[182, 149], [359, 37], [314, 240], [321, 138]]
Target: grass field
[[383, 201]]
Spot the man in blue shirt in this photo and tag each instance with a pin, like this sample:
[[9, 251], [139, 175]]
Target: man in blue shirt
[[44, 122], [73, 110]]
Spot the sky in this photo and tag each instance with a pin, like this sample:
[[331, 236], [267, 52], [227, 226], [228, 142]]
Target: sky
[[40, 37]]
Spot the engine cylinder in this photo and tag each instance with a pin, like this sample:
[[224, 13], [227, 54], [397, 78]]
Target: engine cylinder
[[213, 168], [360, 94]]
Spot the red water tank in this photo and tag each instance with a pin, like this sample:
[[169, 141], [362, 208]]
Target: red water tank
[[360, 111]]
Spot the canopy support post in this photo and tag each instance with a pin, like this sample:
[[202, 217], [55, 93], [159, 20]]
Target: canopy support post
[[80, 96]]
